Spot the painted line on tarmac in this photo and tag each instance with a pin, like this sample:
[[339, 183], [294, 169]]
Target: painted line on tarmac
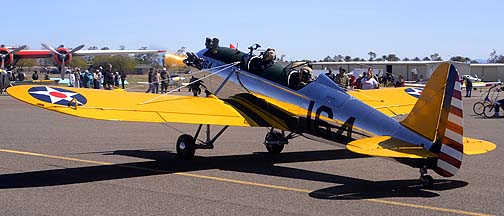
[[277, 187]]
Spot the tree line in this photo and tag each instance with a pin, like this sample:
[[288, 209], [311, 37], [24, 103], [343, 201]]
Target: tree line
[[494, 58]]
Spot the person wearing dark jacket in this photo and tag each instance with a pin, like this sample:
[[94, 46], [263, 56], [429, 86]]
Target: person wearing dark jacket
[[469, 86], [150, 80], [123, 78]]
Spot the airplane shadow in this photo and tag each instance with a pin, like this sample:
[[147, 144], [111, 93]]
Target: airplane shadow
[[164, 162]]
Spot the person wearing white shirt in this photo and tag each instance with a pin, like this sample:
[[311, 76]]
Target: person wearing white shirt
[[369, 82]]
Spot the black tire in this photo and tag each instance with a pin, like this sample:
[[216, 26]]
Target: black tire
[[478, 108], [277, 137], [489, 111], [427, 181], [186, 148]]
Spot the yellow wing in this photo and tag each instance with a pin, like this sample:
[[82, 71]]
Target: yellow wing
[[391, 101], [130, 106]]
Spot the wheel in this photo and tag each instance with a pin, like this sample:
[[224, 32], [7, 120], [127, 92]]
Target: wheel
[[186, 147], [273, 142], [489, 111], [478, 108], [427, 181], [274, 148]]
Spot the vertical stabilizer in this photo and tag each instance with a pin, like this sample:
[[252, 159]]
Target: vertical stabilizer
[[438, 116]]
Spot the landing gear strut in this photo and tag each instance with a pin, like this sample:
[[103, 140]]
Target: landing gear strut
[[276, 140], [426, 180], [186, 144]]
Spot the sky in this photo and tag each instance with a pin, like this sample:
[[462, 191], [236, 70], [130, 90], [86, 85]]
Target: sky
[[299, 29]]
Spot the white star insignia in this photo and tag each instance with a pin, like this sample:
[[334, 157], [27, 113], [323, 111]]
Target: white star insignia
[[56, 96]]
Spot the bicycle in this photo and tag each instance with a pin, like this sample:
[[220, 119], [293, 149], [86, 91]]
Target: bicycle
[[489, 110], [479, 107]]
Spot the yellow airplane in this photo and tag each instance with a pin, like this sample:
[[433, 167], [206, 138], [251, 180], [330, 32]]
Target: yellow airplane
[[289, 102]]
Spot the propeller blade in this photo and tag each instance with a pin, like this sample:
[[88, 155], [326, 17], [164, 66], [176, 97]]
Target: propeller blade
[[3, 62], [62, 70], [77, 49], [14, 51], [50, 48]]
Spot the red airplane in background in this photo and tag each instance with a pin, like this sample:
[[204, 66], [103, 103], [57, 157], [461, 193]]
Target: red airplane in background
[[61, 56]]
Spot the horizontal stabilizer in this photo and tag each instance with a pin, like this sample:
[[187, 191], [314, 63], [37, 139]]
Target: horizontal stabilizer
[[477, 146], [386, 146]]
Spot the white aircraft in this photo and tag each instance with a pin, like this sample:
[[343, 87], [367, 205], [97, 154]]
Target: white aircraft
[[472, 78]]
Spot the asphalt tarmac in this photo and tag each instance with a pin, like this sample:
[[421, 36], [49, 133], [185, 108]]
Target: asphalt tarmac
[[54, 164]]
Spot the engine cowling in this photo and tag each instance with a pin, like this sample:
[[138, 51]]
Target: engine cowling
[[58, 60], [8, 56]]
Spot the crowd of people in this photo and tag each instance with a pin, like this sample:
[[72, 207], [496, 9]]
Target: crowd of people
[[100, 78], [368, 80]]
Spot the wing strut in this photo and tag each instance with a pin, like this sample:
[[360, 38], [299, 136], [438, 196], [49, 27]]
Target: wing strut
[[225, 67], [223, 82]]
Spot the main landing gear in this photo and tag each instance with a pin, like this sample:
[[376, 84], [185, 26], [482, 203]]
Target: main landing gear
[[186, 144], [276, 140], [426, 180]]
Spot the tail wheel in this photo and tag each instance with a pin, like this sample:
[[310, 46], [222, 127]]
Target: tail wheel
[[489, 111], [186, 147], [427, 181], [478, 108], [274, 142]]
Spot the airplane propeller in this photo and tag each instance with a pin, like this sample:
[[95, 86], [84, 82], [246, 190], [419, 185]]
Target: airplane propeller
[[62, 56], [14, 51]]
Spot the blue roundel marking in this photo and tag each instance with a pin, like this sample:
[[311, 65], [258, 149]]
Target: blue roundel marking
[[57, 96], [415, 92]]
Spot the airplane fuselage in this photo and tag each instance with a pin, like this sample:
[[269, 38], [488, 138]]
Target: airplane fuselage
[[321, 109]]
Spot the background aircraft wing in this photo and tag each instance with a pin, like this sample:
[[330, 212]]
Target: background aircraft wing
[[112, 52], [130, 106], [391, 101], [33, 54], [22, 54]]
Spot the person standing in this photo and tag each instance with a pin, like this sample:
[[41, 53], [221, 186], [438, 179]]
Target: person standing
[[77, 78], [400, 82], [85, 79], [369, 82], [71, 79], [116, 79], [96, 79], [123, 78], [109, 79], [164, 81], [150, 80], [330, 74], [101, 77], [21, 75], [341, 78], [469, 86], [195, 84], [157, 80]]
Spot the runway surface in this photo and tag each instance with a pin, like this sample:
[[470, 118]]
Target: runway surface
[[54, 164]]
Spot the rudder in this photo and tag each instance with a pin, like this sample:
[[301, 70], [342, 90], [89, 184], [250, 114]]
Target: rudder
[[438, 116]]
